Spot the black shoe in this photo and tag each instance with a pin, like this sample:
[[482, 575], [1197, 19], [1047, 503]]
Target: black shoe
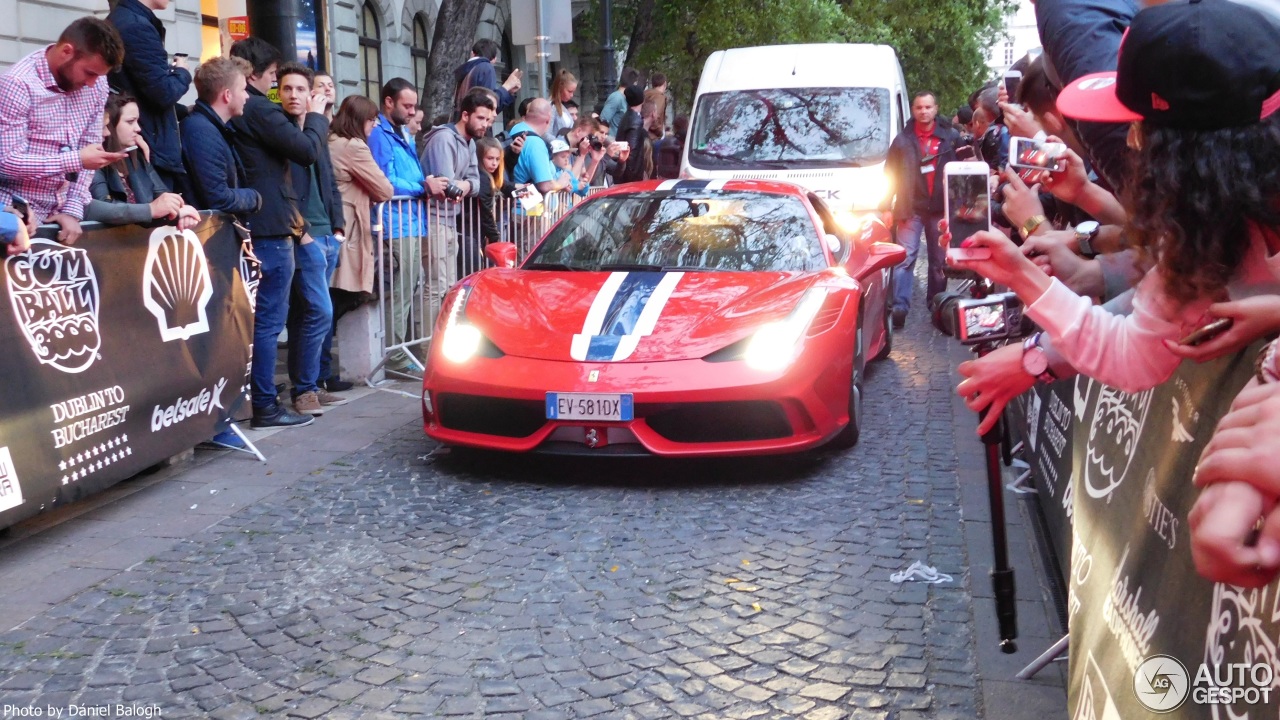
[[334, 384], [278, 416], [899, 319]]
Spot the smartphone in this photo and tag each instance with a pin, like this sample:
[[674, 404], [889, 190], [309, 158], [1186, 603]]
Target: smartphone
[[1208, 332], [968, 204], [129, 149], [1012, 80], [1033, 159], [966, 152], [20, 204], [180, 56]]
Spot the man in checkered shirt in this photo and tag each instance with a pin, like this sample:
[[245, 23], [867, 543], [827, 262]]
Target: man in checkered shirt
[[51, 123]]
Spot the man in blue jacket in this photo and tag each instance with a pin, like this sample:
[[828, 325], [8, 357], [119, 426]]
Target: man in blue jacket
[[217, 176], [479, 72], [157, 83], [402, 225]]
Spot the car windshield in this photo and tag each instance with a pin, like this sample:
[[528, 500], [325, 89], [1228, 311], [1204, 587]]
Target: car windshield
[[735, 231], [791, 128]]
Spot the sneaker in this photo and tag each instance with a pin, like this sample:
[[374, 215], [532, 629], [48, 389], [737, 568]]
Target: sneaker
[[328, 398], [278, 416], [228, 439], [308, 403], [334, 384], [402, 363], [899, 319]]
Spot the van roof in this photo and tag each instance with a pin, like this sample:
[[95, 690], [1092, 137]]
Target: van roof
[[816, 65]]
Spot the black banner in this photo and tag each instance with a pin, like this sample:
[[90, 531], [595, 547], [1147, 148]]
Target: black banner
[[1041, 419], [120, 351], [1150, 637]]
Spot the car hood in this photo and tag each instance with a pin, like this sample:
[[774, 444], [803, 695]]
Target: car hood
[[627, 316]]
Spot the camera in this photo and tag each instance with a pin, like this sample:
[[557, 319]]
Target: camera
[[452, 191], [596, 143], [974, 321]]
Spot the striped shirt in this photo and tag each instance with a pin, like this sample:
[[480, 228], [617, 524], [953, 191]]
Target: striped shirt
[[42, 129]]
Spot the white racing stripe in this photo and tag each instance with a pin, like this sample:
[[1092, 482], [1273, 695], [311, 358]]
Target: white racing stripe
[[668, 185], [649, 316], [595, 316], [717, 184]]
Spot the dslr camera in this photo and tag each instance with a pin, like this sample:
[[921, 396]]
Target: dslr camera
[[452, 191], [974, 321], [596, 143]]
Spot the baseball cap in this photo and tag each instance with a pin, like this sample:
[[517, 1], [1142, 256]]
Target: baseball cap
[[1187, 64], [559, 146]]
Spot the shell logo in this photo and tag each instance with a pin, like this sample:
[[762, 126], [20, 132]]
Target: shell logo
[[176, 288]]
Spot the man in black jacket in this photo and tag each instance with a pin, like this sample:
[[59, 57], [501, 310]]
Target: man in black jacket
[[269, 142], [157, 83], [633, 133], [915, 164], [310, 320]]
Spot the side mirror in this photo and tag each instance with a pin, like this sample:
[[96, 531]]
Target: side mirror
[[883, 255], [503, 254]]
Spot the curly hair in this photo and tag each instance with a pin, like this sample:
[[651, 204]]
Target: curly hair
[[1194, 196]]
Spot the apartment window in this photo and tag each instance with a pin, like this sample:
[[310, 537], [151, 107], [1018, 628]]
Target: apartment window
[[420, 51], [370, 52], [1008, 52]]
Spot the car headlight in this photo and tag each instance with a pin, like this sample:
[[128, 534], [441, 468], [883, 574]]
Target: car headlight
[[459, 340], [775, 345]]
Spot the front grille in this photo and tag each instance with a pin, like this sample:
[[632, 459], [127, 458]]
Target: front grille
[[490, 416], [719, 421]]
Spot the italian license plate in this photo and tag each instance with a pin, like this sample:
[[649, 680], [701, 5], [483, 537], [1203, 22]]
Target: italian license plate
[[590, 406]]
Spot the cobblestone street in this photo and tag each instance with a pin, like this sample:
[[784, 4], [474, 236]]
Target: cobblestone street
[[362, 573]]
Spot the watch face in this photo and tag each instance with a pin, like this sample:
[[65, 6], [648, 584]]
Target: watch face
[[1087, 227], [1034, 361]]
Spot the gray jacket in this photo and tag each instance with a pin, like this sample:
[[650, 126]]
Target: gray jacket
[[446, 153]]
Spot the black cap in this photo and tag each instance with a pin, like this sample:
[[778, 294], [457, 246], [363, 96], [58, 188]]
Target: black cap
[[634, 95], [1188, 64]]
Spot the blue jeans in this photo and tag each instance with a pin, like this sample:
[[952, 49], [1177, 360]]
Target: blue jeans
[[276, 256], [904, 279], [311, 314]]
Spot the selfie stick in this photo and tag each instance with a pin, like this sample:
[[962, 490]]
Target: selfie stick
[[1002, 584]]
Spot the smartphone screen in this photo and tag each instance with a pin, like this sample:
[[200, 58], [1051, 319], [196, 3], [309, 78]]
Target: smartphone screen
[[1033, 159], [968, 200], [1012, 80]]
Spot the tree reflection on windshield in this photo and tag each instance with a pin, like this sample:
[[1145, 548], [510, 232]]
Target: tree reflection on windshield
[[738, 231], [804, 127]]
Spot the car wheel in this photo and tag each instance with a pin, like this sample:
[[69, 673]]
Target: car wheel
[[848, 437], [888, 323]]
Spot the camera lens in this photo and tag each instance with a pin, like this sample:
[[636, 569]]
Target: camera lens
[[945, 315]]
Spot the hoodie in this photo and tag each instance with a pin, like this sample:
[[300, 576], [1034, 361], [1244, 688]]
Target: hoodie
[[478, 72], [446, 153]]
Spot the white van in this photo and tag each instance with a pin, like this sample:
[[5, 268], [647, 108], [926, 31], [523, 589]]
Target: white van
[[821, 116]]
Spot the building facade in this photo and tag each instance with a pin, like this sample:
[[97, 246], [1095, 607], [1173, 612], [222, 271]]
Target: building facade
[[364, 42], [1020, 37]]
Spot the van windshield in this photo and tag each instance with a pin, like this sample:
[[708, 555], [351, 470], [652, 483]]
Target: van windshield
[[790, 127]]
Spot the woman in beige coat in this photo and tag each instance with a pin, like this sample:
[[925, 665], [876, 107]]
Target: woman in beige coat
[[362, 184]]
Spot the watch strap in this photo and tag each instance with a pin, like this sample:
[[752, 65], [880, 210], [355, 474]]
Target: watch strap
[[1032, 224]]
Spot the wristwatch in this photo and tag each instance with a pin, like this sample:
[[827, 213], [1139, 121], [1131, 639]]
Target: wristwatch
[[1086, 233], [1035, 361], [1032, 224]]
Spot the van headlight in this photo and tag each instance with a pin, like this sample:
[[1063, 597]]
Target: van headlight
[[869, 190], [776, 345], [459, 340]]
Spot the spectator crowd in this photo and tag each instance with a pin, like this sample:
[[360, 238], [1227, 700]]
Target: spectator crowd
[[1141, 229], [92, 128]]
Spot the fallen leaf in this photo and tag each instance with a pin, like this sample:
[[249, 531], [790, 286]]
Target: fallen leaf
[[746, 588], [915, 501], [731, 581], [757, 607], [613, 569], [746, 562]]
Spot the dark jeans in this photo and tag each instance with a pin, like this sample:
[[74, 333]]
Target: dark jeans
[[276, 256], [311, 314]]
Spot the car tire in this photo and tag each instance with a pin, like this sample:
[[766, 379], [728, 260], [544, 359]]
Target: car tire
[[848, 436], [888, 322]]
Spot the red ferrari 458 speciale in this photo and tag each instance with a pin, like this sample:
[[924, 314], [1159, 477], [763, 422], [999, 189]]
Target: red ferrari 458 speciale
[[672, 318]]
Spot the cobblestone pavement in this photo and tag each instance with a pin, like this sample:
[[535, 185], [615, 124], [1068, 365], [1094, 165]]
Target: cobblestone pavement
[[398, 583]]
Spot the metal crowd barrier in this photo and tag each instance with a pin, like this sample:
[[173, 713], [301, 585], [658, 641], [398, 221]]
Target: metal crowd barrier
[[424, 246]]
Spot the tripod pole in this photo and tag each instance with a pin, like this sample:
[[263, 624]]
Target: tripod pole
[[1002, 573]]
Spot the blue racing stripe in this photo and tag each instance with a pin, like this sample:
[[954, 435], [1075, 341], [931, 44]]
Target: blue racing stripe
[[692, 184], [623, 313]]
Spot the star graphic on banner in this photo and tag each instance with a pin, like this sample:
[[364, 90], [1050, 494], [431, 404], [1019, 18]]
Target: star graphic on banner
[[64, 480], [99, 464], [62, 466], [102, 447], [124, 438], [128, 451], [111, 442]]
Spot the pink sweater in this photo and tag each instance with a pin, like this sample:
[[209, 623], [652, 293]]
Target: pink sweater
[[1127, 352]]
